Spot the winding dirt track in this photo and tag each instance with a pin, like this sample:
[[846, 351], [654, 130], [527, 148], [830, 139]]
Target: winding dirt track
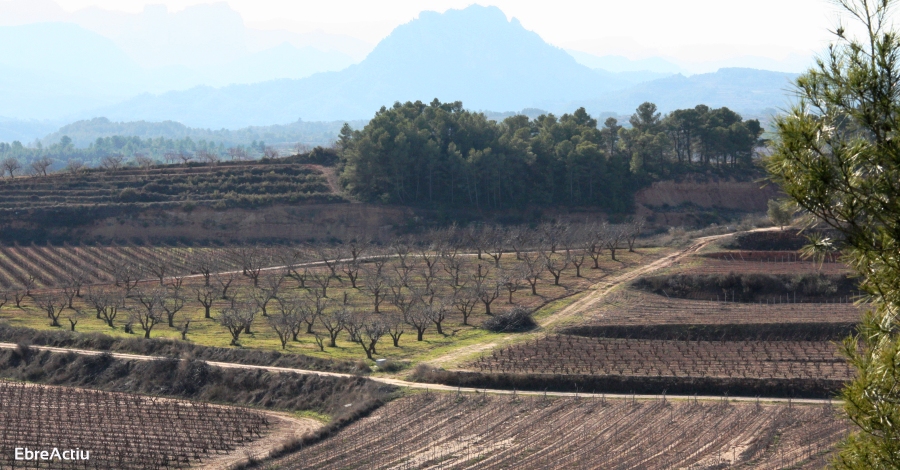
[[407, 384], [597, 292]]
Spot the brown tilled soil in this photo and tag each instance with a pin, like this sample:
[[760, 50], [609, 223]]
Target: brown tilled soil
[[631, 307], [283, 430], [453, 431]]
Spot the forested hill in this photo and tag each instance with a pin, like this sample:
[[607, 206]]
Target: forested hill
[[440, 155]]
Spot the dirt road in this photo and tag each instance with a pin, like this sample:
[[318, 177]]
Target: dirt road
[[415, 385], [597, 292], [591, 297]]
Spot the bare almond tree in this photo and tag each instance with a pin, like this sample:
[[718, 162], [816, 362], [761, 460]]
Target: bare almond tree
[[555, 265], [496, 242], [431, 256], [237, 319], [252, 259], [127, 275], [74, 317], [269, 289], [351, 261], [107, 302], [418, 317], [512, 281], [287, 323], [10, 166], [40, 165], [53, 304], [19, 295], [464, 301], [475, 236], [289, 258], [330, 257], [368, 329], [149, 311], [614, 235], [334, 321], [395, 327], [452, 264], [313, 306], [206, 296], [172, 303], [437, 312], [322, 280], [143, 161], [159, 267], [224, 280], [400, 247], [236, 153], [519, 239], [71, 288], [488, 291], [578, 258], [376, 284], [532, 268], [208, 157], [184, 329], [633, 230], [594, 243], [203, 262], [74, 167], [28, 282], [270, 152], [351, 268], [112, 162]]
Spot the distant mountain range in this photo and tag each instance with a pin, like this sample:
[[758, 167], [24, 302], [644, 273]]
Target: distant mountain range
[[474, 55], [53, 73]]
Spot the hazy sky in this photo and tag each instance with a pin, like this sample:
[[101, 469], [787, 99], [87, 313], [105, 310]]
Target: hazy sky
[[691, 30]]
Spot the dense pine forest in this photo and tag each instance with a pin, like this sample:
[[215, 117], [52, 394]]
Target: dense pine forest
[[440, 155]]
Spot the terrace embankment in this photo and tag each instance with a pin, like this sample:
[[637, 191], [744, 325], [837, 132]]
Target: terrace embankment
[[674, 203]]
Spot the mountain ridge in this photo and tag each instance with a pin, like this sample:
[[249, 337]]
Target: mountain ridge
[[474, 55]]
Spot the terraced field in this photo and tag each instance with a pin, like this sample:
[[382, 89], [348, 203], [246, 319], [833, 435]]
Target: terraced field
[[633, 307], [159, 433], [452, 431], [168, 186], [771, 262], [567, 354]]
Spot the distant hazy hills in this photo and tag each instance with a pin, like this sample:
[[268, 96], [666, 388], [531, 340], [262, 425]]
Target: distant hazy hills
[[83, 133], [474, 55], [57, 72], [749, 91]]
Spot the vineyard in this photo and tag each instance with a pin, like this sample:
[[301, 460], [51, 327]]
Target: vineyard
[[121, 431], [234, 184], [57, 266], [450, 431], [632, 307], [575, 355], [770, 262]]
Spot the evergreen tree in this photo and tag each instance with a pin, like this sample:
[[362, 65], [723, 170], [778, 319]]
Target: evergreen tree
[[837, 155]]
